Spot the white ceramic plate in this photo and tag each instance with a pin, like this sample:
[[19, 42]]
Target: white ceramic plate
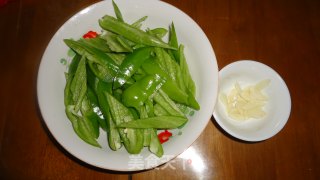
[[51, 82], [278, 107]]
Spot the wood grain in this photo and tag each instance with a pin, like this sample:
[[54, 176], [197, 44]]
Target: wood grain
[[282, 34]]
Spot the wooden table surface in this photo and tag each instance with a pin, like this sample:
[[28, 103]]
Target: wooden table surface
[[282, 34]]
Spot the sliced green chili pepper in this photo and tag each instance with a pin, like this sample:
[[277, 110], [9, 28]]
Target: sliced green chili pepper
[[117, 57], [169, 67], [116, 43], [78, 85], [130, 65], [132, 138], [160, 111], [117, 11], [118, 94], [158, 122], [74, 65], [170, 87], [92, 80], [113, 135], [151, 139], [103, 87], [67, 93], [185, 72], [163, 99], [114, 139], [151, 67], [69, 77], [100, 72], [146, 132], [187, 79], [81, 127], [185, 109], [133, 34], [93, 101], [155, 145], [139, 74], [125, 43], [173, 41], [97, 42], [138, 93], [94, 55], [90, 116], [149, 107], [166, 63], [158, 32], [137, 24]]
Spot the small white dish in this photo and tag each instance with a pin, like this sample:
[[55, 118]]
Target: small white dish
[[278, 107]]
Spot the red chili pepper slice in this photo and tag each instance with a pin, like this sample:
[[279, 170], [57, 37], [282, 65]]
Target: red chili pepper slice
[[90, 34], [164, 136]]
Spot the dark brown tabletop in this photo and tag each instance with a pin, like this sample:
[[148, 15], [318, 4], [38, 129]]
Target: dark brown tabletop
[[282, 34]]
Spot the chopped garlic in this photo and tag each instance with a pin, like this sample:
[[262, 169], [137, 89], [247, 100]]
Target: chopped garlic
[[246, 103]]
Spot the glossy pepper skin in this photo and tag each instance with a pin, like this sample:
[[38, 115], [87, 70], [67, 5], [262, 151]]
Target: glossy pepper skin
[[93, 100], [130, 65], [169, 87], [138, 93]]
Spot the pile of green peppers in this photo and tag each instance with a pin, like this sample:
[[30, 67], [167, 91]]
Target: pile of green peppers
[[129, 83]]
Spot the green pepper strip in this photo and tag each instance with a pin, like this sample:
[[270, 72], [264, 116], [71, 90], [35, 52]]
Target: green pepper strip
[[117, 11], [131, 138], [94, 55], [78, 86], [100, 72], [137, 24], [164, 100], [74, 65], [160, 111], [69, 77], [146, 132], [158, 32], [173, 41], [117, 43], [130, 65], [89, 115], [158, 122], [138, 93], [170, 88], [81, 126], [151, 139], [67, 93], [114, 139], [97, 42], [187, 79], [94, 103], [150, 135], [131, 33]]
